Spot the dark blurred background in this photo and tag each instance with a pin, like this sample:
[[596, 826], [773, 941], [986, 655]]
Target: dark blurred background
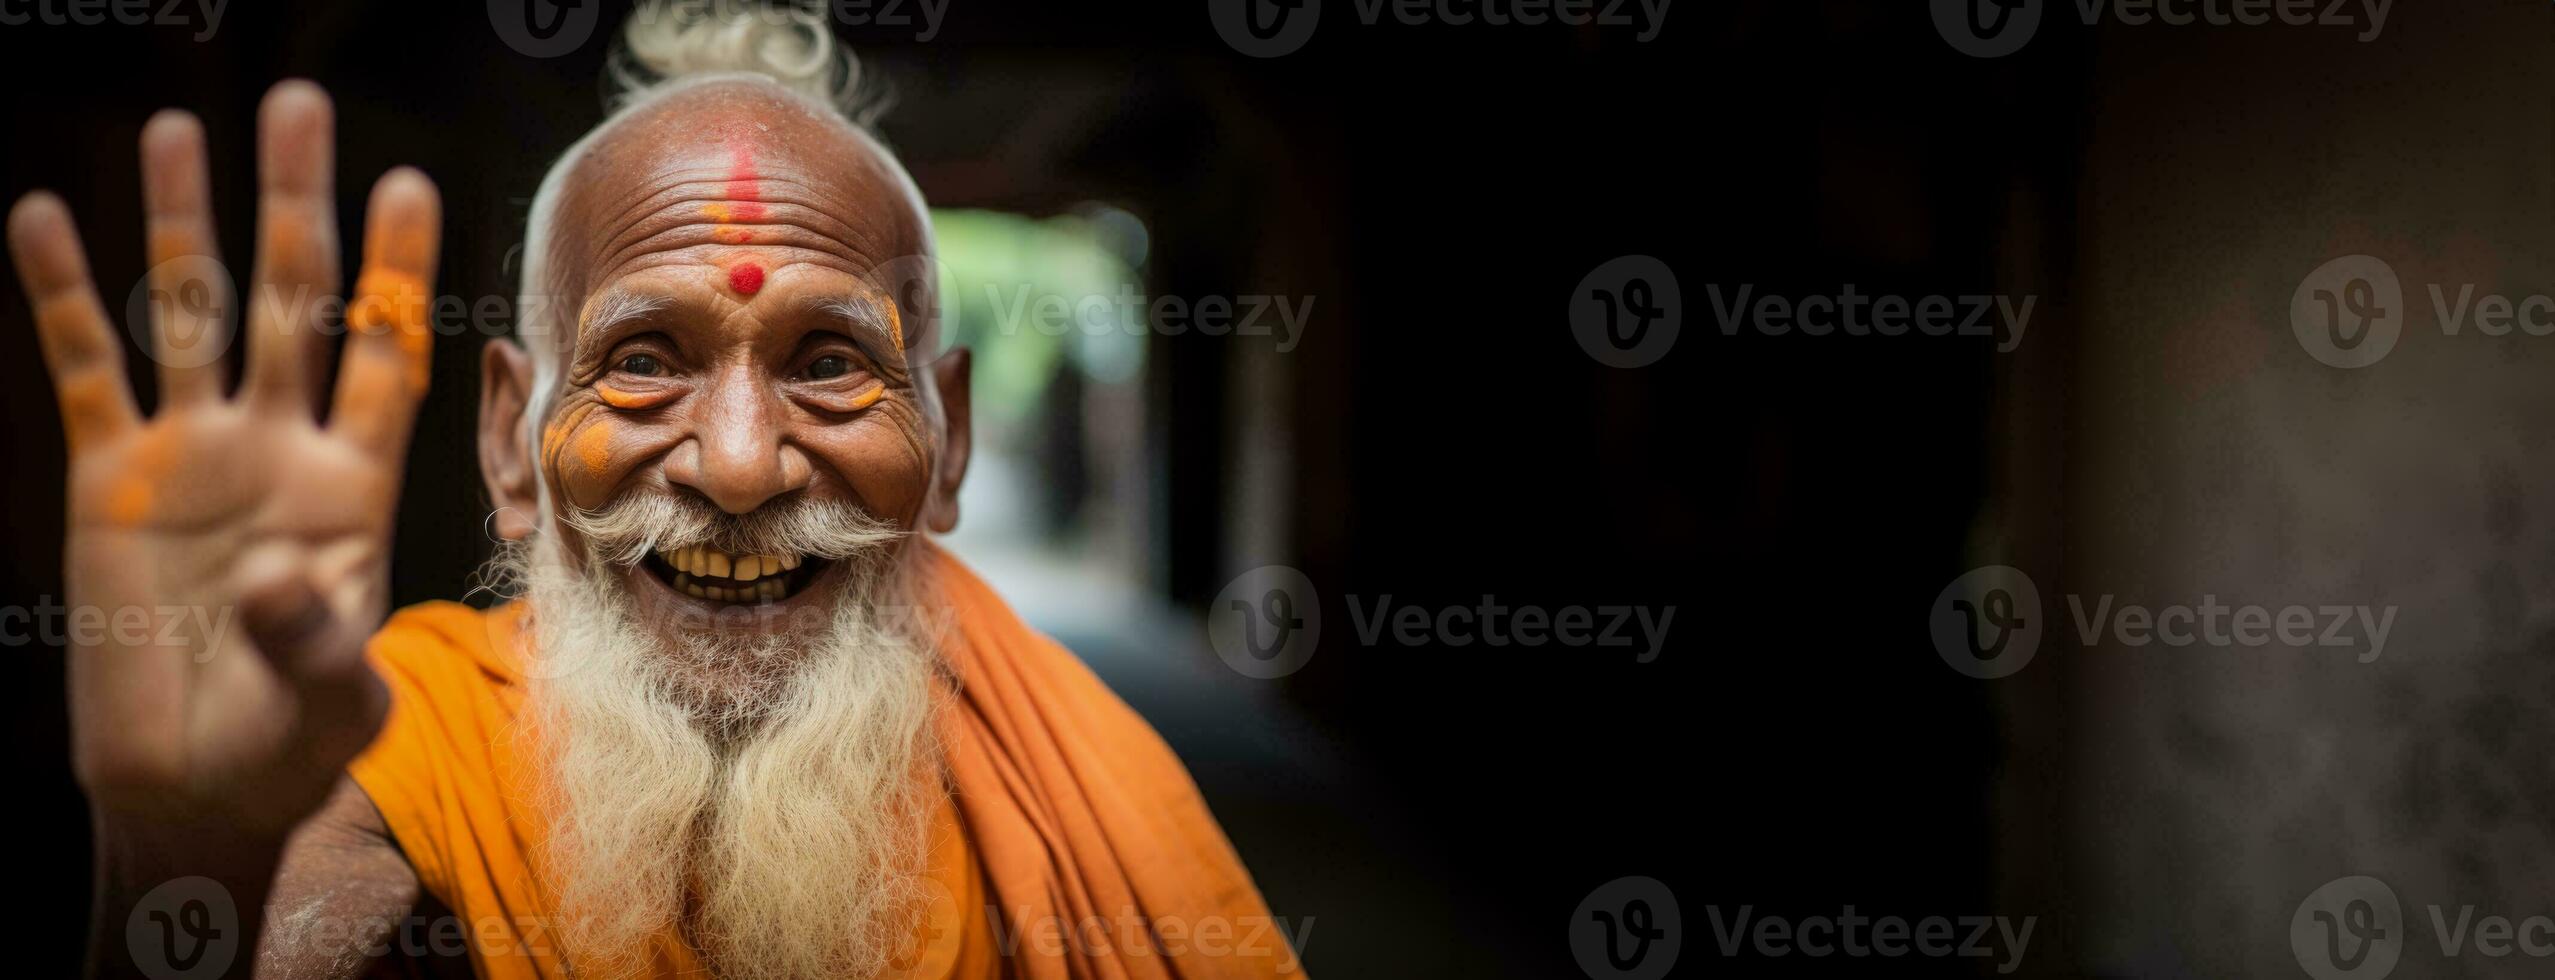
[[1436, 434]]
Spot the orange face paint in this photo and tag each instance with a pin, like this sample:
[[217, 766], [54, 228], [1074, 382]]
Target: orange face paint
[[594, 449], [567, 435], [627, 401], [868, 398], [554, 435]]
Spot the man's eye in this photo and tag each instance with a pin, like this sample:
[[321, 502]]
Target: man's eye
[[644, 365], [829, 366]]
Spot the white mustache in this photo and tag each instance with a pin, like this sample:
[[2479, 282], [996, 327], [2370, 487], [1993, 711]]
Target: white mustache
[[645, 522]]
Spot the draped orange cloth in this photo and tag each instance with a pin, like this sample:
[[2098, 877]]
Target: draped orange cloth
[[1074, 843]]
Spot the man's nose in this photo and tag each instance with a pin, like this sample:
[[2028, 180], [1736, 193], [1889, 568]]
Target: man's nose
[[738, 456]]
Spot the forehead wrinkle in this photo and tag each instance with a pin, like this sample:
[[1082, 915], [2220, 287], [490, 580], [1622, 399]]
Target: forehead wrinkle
[[681, 220], [804, 216], [784, 192], [829, 190], [693, 245]]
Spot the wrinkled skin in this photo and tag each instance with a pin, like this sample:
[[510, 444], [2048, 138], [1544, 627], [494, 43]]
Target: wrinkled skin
[[769, 246], [224, 756]]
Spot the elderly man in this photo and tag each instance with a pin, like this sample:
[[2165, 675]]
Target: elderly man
[[743, 719]]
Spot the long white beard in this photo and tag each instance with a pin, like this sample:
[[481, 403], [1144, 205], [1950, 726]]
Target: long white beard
[[791, 807]]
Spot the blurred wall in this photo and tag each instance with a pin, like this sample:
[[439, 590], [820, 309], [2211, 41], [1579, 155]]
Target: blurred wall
[[2204, 452]]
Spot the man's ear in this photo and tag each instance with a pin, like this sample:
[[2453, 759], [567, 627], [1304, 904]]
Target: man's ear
[[505, 460], [950, 374]]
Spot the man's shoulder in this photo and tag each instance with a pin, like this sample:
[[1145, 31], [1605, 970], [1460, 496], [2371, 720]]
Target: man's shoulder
[[440, 637]]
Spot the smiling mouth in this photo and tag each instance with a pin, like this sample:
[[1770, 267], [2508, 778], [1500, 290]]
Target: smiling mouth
[[703, 572]]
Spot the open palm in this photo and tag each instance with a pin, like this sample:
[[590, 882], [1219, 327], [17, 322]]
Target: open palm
[[248, 530]]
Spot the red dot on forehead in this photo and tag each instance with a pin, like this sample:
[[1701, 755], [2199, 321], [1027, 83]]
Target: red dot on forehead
[[745, 279]]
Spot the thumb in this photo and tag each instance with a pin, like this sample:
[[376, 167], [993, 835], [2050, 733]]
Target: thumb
[[318, 653]]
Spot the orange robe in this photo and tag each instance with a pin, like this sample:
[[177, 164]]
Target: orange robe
[[1075, 844]]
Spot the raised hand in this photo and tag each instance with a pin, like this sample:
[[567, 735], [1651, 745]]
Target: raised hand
[[249, 512]]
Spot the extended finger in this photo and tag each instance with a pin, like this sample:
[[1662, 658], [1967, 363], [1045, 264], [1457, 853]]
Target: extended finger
[[296, 247], [389, 345], [80, 345], [190, 289]]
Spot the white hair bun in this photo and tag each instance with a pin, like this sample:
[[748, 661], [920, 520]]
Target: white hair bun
[[670, 43]]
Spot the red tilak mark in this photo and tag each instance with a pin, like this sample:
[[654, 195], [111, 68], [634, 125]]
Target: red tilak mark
[[745, 279], [743, 184]]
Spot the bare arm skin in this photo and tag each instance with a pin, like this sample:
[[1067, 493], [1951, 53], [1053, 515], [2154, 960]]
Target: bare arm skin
[[343, 899], [339, 901], [219, 752]]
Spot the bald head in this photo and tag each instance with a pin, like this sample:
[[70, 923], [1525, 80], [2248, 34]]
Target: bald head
[[742, 184]]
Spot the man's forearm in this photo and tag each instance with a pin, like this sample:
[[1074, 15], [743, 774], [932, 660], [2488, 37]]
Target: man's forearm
[[178, 901]]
